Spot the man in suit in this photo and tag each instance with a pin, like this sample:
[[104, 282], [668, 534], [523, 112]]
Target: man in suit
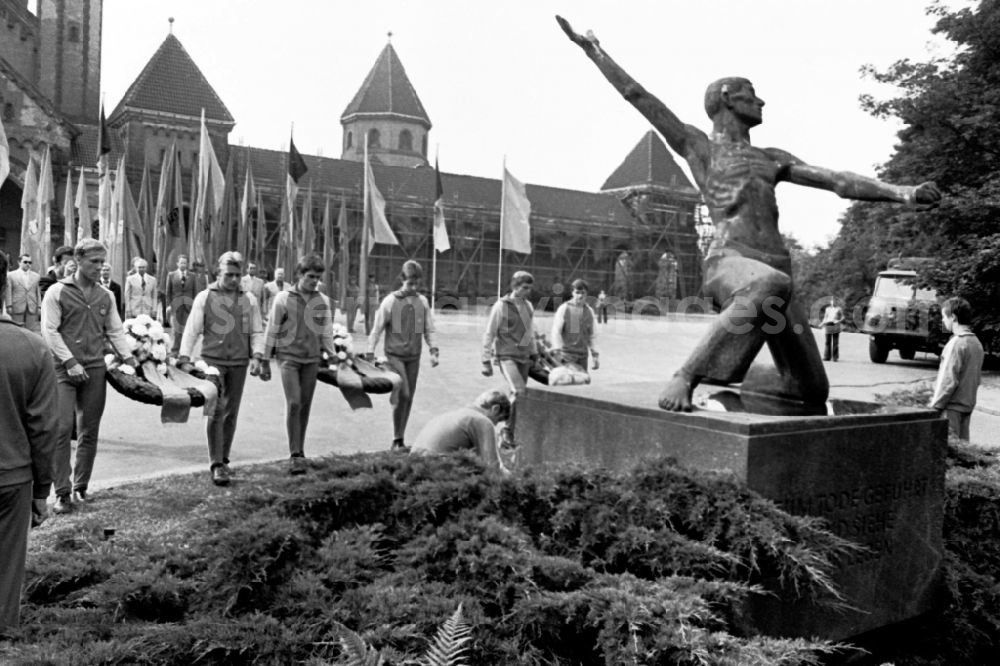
[[273, 288], [182, 286], [113, 287], [62, 256], [253, 284], [140, 291], [23, 297]]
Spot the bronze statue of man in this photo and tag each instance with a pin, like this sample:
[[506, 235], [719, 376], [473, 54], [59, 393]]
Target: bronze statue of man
[[748, 267]]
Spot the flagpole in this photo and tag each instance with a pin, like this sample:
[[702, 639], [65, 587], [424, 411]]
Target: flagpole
[[503, 186], [434, 253], [363, 258]]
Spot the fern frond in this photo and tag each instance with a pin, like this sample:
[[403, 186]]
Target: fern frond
[[449, 643], [357, 651]]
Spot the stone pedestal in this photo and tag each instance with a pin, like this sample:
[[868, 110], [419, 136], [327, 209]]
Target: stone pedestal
[[875, 474]]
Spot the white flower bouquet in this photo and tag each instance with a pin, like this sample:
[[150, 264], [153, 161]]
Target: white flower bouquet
[[154, 381]]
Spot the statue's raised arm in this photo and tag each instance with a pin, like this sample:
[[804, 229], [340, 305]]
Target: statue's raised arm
[[686, 140]]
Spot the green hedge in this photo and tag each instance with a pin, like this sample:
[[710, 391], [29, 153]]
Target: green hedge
[[570, 567]]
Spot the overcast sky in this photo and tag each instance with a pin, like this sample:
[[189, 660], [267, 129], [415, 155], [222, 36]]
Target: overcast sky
[[500, 78]]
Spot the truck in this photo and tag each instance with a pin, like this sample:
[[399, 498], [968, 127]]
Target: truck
[[900, 315]]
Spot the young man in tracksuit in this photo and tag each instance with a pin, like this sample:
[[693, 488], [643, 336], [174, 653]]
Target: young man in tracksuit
[[78, 315], [510, 338], [229, 321], [405, 317], [299, 329], [28, 421], [573, 329]]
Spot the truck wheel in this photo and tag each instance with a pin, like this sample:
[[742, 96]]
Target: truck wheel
[[878, 351], [907, 354]]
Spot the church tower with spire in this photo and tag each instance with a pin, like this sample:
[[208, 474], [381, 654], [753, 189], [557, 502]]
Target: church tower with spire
[[388, 111]]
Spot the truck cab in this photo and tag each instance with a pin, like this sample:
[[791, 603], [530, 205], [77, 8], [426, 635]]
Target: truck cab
[[901, 315]]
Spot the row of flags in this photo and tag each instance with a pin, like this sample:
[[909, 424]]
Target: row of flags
[[154, 227]]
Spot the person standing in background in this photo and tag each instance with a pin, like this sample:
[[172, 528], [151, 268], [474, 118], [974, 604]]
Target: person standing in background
[[140, 291], [254, 285], [961, 368], [23, 297], [182, 287]]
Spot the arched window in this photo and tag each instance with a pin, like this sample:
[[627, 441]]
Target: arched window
[[423, 146], [406, 140], [8, 111], [74, 32], [349, 141], [374, 138]]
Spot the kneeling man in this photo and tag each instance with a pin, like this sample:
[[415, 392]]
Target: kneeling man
[[471, 428]]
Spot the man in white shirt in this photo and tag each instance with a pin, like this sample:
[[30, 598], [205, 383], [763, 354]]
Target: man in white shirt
[[140, 291], [253, 284]]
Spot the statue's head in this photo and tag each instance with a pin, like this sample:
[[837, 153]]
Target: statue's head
[[736, 94]]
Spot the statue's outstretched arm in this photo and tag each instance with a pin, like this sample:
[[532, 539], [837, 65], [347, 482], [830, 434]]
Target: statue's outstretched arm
[[849, 185], [679, 135]]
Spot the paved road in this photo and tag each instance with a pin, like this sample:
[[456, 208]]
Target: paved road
[[134, 443]]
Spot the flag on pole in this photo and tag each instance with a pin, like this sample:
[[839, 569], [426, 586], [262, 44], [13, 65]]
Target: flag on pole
[[145, 209], [29, 215], [85, 224], [328, 246], [441, 243], [220, 231], [249, 196], [283, 231], [296, 169], [261, 240], [4, 155], [69, 226], [376, 224], [103, 144], [343, 254], [103, 178], [308, 228], [211, 185], [515, 211], [46, 193]]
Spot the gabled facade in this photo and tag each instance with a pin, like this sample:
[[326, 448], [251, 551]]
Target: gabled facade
[[646, 208], [162, 109], [388, 111]]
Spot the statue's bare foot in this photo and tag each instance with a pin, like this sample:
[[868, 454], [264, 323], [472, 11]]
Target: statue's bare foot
[[676, 396]]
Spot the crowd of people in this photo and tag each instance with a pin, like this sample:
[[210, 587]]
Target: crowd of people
[[56, 329]]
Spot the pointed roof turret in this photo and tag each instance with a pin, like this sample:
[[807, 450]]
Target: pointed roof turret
[[650, 164], [387, 92], [172, 83]]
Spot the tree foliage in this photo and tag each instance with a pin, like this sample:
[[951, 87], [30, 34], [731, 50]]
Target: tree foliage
[[950, 109]]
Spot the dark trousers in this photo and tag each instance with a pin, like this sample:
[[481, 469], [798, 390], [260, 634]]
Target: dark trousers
[[299, 382], [15, 517], [402, 398], [222, 424], [602, 314], [81, 405], [832, 348]]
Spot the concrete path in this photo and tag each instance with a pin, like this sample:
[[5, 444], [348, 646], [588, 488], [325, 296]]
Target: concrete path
[[135, 444]]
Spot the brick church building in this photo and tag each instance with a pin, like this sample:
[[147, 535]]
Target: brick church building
[[637, 236]]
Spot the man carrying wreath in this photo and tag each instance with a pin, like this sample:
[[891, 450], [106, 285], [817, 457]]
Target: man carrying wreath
[[78, 315], [229, 321], [299, 329]]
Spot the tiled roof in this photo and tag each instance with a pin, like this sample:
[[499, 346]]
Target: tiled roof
[[387, 91], [650, 163], [172, 83], [417, 185], [83, 151]]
